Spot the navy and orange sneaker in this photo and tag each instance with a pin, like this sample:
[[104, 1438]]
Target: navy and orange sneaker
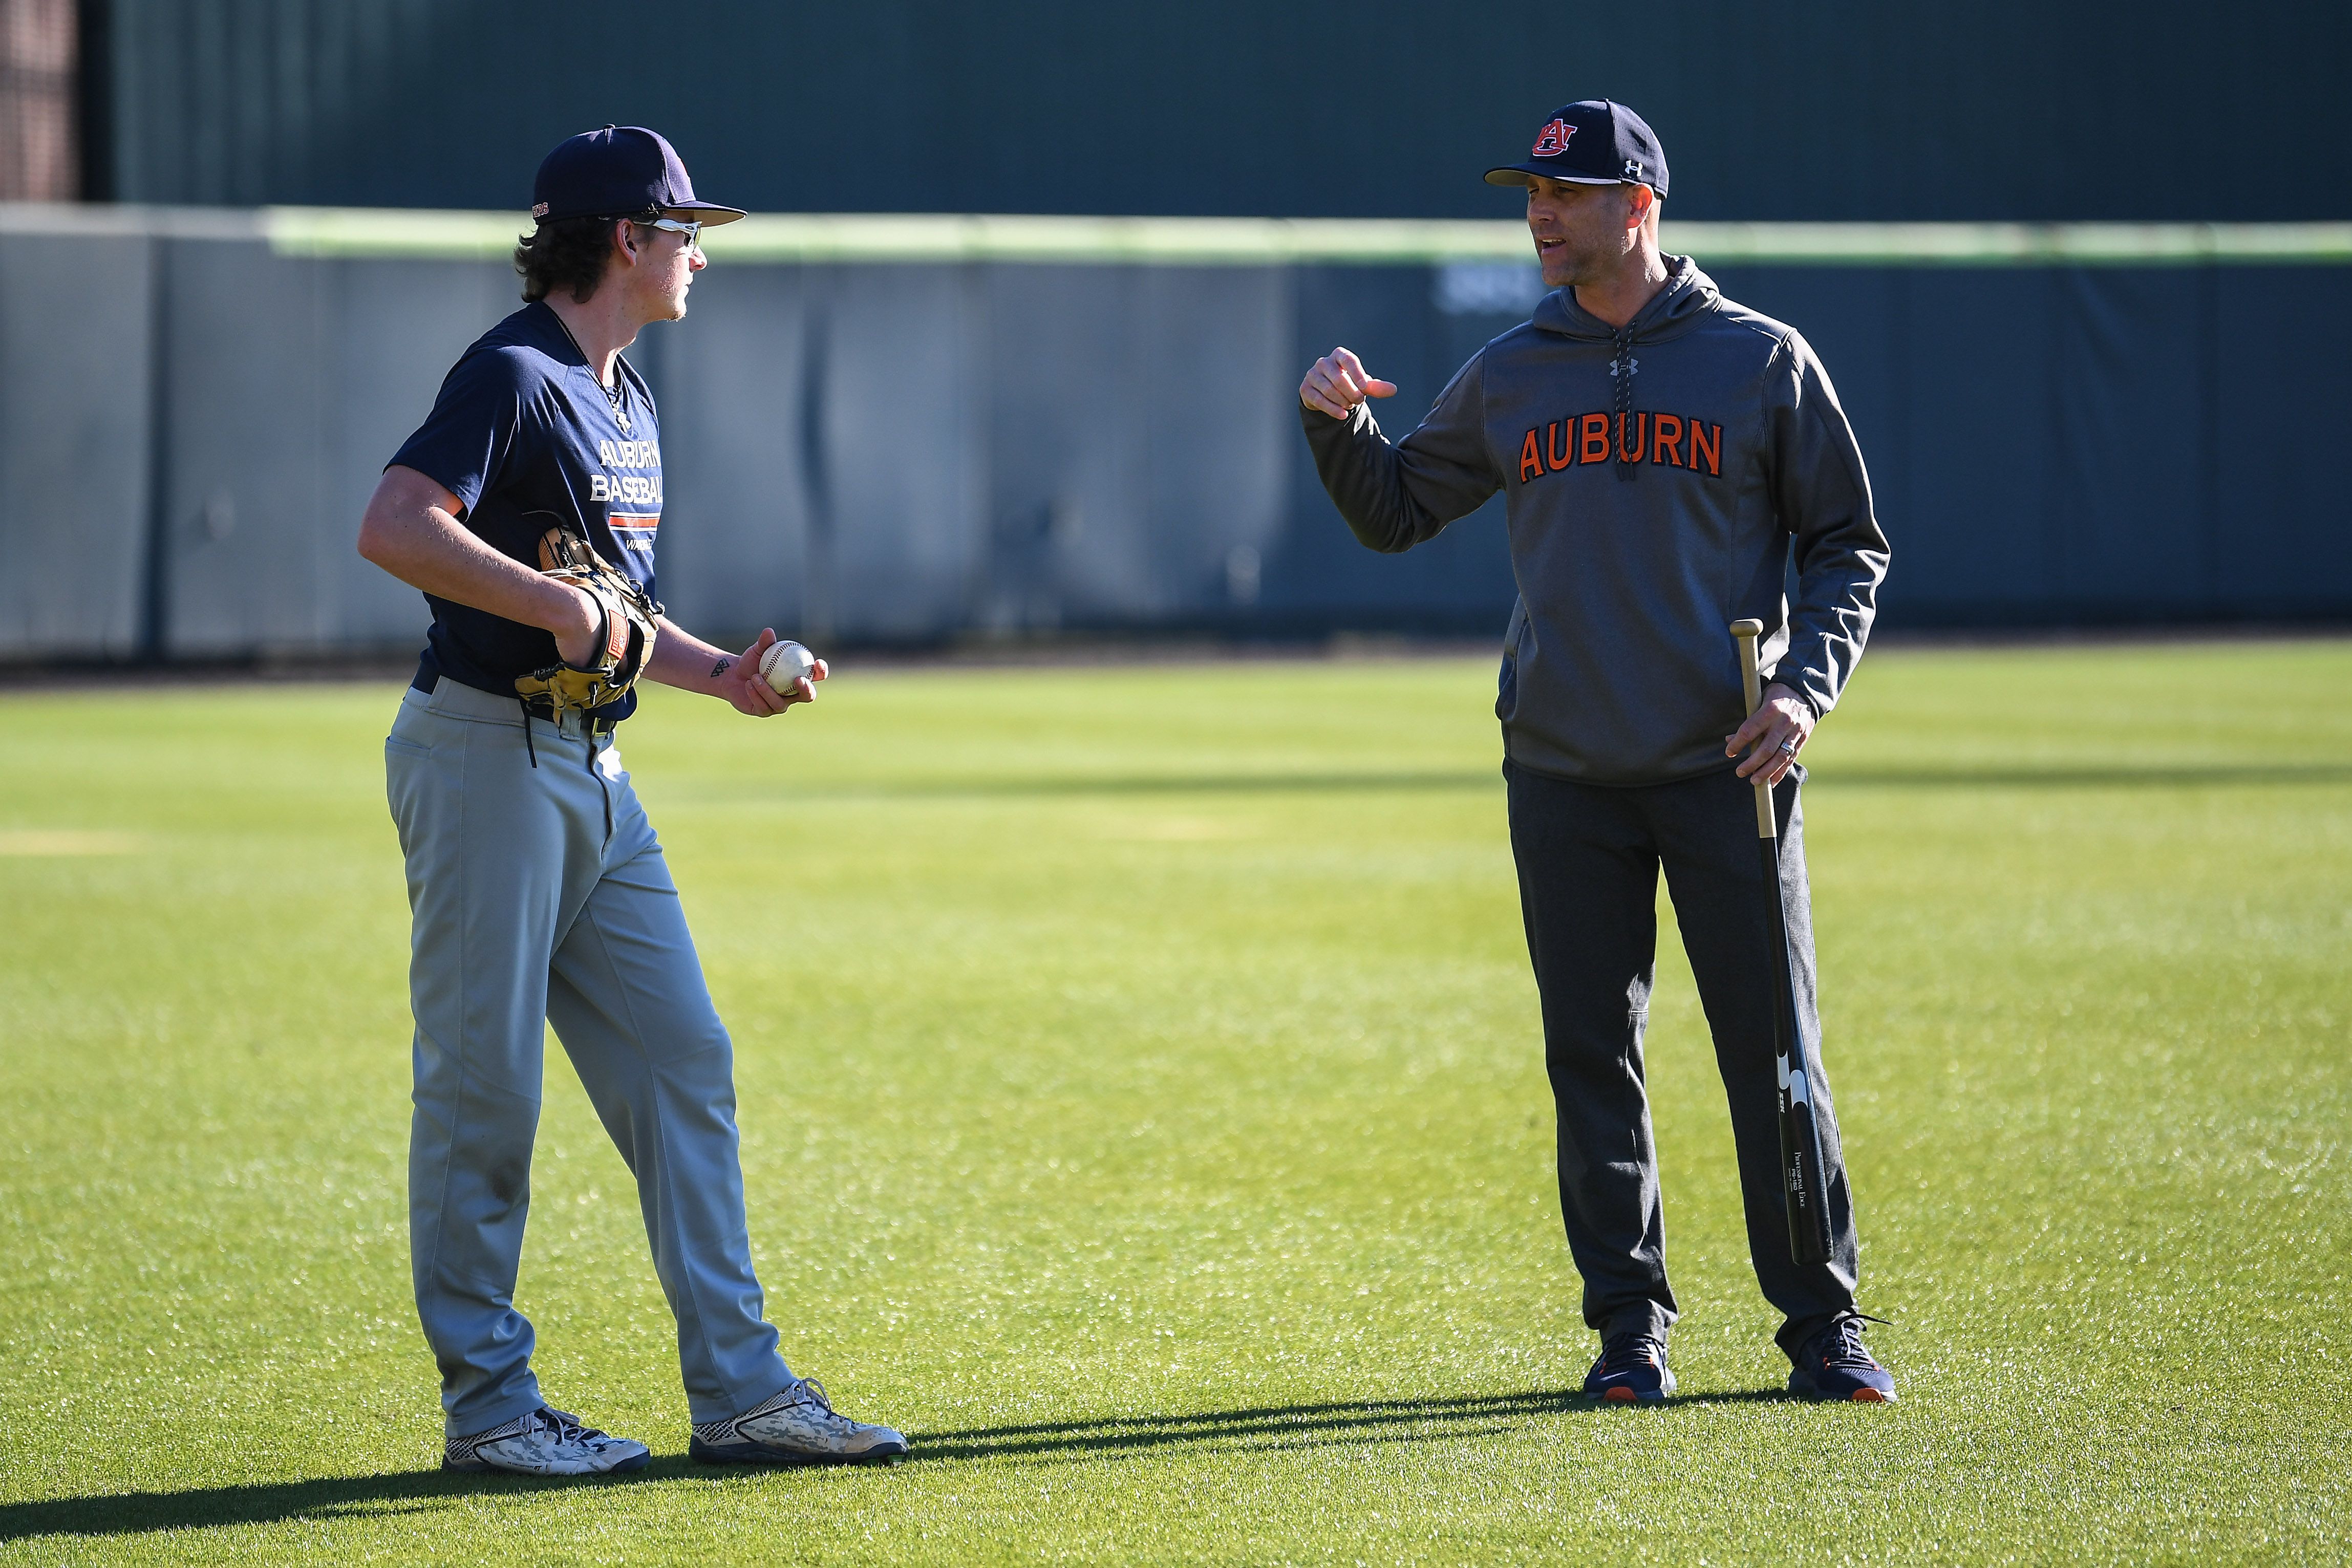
[[1833, 1366], [1632, 1369]]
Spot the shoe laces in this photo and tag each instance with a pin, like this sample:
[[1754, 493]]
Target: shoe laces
[[813, 1392], [1632, 1349], [1840, 1344], [566, 1426]]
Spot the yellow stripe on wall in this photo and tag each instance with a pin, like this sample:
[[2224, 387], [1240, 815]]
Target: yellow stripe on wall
[[1223, 242]]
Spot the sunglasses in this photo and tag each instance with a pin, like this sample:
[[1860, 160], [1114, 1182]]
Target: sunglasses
[[693, 231]]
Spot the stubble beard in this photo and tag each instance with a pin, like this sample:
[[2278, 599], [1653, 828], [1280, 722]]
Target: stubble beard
[[1572, 267], [1595, 267], [1582, 260]]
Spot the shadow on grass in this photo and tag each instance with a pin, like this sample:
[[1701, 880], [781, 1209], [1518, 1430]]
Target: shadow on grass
[[272, 1502], [1283, 1426], [1271, 1427]]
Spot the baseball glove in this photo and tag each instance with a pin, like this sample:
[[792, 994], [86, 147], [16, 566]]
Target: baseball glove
[[622, 649]]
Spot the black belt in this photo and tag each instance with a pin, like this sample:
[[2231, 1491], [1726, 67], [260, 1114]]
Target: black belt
[[537, 707], [540, 708]]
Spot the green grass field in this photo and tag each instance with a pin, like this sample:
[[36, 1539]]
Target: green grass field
[[1142, 1106]]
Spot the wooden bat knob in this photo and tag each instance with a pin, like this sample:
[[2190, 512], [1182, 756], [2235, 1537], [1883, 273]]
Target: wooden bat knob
[[1747, 628]]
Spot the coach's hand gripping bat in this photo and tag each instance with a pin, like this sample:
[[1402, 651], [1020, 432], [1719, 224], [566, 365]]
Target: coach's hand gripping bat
[[1801, 1164]]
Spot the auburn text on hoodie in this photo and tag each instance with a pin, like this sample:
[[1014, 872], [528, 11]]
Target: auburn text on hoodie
[[1656, 477]]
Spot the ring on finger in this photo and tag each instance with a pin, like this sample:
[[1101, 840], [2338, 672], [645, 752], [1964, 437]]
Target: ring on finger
[[1788, 747]]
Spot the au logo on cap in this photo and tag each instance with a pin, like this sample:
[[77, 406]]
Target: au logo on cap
[[1553, 140]]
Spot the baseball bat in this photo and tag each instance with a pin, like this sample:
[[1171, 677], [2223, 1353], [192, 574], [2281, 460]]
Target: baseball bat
[[1802, 1186]]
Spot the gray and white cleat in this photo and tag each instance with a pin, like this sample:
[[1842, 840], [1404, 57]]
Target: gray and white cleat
[[546, 1443], [798, 1426]]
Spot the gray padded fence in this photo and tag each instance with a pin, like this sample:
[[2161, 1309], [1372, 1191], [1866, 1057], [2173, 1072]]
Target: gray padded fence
[[878, 453], [192, 417], [75, 442]]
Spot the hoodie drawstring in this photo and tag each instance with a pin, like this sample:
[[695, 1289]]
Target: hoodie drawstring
[[1620, 377]]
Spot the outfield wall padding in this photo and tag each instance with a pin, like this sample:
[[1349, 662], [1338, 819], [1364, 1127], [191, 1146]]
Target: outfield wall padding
[[891, 451], [74, 351], [2093, 445]]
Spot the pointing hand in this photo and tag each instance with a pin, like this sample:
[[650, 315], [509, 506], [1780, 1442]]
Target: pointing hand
[[1339, 382]]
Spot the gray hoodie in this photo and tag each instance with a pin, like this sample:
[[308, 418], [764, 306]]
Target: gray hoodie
[[1654, 479]]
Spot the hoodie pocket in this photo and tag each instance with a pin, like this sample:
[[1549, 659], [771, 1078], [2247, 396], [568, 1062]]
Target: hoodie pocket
[[1506, 680]]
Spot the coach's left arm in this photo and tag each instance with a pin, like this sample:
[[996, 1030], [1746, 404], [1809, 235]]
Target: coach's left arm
[[687, 662], [1821, 492]]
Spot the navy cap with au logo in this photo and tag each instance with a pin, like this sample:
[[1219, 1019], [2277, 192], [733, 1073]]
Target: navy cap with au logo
[[1596, 142], [618, 172]]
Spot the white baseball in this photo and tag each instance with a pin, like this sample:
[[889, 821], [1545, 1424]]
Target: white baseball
[[785, 665]]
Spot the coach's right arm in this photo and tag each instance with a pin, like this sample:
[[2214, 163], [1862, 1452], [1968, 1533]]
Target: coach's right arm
[[1395, 498]]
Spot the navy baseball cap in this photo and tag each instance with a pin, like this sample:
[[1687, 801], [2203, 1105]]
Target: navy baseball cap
[[1595, 142], [615, 173]]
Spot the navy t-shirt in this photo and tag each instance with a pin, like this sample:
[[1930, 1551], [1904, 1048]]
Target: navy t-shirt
[[522, 434]]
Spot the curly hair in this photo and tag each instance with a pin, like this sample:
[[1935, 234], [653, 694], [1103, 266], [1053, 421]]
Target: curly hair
[[569, 252]]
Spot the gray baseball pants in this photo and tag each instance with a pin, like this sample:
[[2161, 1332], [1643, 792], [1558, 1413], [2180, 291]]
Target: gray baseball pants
[[539, 895], [1589, 858]]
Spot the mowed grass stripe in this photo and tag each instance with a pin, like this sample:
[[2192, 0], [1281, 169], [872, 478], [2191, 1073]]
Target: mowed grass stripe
[[1143, 1103]]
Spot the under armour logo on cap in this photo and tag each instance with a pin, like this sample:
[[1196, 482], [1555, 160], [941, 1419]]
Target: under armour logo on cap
[[1552, 141]]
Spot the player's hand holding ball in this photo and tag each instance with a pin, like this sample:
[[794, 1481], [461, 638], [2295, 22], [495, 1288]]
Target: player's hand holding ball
[[770, 676], [1338, 382], [789, 668]]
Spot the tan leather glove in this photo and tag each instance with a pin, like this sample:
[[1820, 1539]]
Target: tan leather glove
[[630, 628]]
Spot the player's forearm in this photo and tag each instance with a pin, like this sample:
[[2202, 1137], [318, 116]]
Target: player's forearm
[[429, 549], [685, 661]]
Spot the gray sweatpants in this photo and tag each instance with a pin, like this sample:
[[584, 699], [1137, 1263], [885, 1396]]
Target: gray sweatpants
[[1589, 858], [528, 909]]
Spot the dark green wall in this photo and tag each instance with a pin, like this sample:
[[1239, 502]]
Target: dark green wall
[[2028, 110]]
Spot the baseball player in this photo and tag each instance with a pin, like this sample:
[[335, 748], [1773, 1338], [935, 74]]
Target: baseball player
[[526, 507], [1663, 455]]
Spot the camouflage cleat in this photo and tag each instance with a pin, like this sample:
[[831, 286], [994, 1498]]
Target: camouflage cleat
[[798, 1426], [545, 1443]]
